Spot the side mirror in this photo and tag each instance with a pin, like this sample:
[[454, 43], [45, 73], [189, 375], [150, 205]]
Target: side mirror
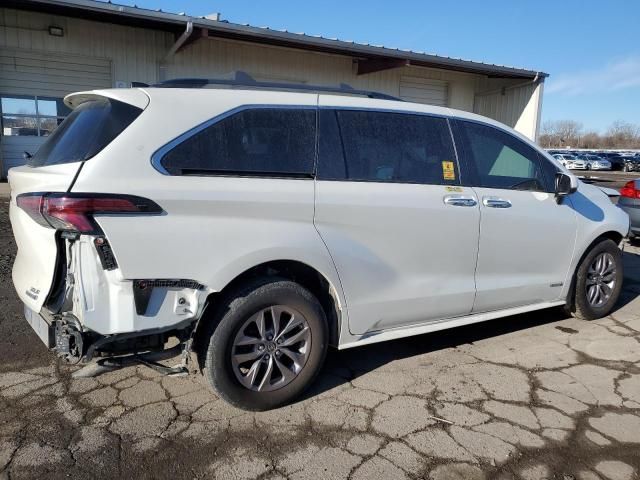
[[565, 184]]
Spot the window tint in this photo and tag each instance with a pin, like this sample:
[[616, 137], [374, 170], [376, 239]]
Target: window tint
[[85, 132], [385, 147], [500, 160], [274, 141]]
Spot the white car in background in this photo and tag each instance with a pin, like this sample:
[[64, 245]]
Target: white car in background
[[257, 226], [571, 161], [594, 162]]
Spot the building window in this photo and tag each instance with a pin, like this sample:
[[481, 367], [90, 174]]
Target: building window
[[31, 115]]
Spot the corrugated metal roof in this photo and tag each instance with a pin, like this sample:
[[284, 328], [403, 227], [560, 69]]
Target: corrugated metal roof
[[145, 17]]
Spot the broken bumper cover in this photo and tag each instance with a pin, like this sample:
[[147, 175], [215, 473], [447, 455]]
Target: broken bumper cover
[[70, 340], [44, 329]]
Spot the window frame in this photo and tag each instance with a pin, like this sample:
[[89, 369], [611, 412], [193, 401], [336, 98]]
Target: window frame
[[37, 115], [158, 155], [467, 161], [461, 173]]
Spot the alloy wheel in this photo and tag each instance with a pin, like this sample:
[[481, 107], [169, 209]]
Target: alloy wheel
[[271, 348], [601, 279]]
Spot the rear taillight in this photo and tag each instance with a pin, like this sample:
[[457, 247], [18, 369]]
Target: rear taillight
[[629, 190], [75, 211]]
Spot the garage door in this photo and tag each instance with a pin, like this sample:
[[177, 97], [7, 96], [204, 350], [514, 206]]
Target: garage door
[[32, 85], [424, 90]]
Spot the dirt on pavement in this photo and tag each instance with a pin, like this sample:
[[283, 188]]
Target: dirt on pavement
[[530, 396]]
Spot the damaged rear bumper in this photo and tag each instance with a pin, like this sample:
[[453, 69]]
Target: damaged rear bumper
[[66, 336], [92, 311]]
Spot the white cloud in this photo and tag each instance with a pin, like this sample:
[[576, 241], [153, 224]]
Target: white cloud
[[618, 75]]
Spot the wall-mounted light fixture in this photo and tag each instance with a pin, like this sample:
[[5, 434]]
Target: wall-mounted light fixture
[[56, 31]]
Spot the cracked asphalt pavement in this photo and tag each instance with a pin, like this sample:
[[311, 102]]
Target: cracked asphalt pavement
[[525, 397]]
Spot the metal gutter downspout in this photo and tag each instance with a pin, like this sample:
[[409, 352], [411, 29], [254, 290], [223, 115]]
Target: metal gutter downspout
[[181, 40]]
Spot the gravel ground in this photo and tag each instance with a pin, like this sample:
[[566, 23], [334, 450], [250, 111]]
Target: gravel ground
[[525, 397]]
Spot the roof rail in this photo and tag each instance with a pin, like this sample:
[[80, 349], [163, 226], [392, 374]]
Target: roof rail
[[244, 80]]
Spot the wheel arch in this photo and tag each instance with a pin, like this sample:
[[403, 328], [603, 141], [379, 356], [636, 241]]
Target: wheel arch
[[608, 235], [302, 273], [613, 235]]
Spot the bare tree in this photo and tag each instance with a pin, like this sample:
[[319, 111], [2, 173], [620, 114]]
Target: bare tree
[[591, 140], [624, 134], [548, 137], [569, 133]]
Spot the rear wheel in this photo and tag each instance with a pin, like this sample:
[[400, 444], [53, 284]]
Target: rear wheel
[[598, 281], [267, 344]]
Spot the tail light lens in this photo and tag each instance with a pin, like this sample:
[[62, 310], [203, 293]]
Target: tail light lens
[[75, 211], [629, 190]]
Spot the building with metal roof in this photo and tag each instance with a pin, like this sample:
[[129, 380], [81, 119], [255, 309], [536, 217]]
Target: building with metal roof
[[51, 48]]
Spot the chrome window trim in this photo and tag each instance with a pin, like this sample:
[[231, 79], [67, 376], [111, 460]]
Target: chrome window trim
[[156, 157]]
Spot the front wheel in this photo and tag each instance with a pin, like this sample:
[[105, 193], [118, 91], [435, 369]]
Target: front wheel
[[267, 344], [598, 281]]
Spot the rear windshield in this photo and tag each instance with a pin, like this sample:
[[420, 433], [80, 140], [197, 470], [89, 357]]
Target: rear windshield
[[85, 132]]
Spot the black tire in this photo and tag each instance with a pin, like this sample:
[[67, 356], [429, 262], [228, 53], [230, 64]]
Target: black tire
[[230, 315], [579, 305]]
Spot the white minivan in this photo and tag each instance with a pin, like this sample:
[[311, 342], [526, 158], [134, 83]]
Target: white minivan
[[257, 225]]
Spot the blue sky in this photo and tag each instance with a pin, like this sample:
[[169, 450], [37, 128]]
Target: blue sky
[[590, 48]]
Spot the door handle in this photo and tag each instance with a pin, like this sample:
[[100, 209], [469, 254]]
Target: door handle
[[460, 201], [495, 202]]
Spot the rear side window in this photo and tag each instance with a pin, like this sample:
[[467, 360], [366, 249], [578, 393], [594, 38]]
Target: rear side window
[[385, 147], [85, 132], [258, 141], [500, 160]]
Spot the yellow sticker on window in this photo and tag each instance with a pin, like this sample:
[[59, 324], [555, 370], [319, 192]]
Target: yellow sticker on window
[[448, 170]]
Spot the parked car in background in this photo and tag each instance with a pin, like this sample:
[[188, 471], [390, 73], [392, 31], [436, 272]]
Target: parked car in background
[[629, 201], [594, 162], [630, 163], [618, 162], [259, 226], [571, 161]]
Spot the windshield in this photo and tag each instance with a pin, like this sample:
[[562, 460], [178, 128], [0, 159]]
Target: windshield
[[569, 157], [85, 132]]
